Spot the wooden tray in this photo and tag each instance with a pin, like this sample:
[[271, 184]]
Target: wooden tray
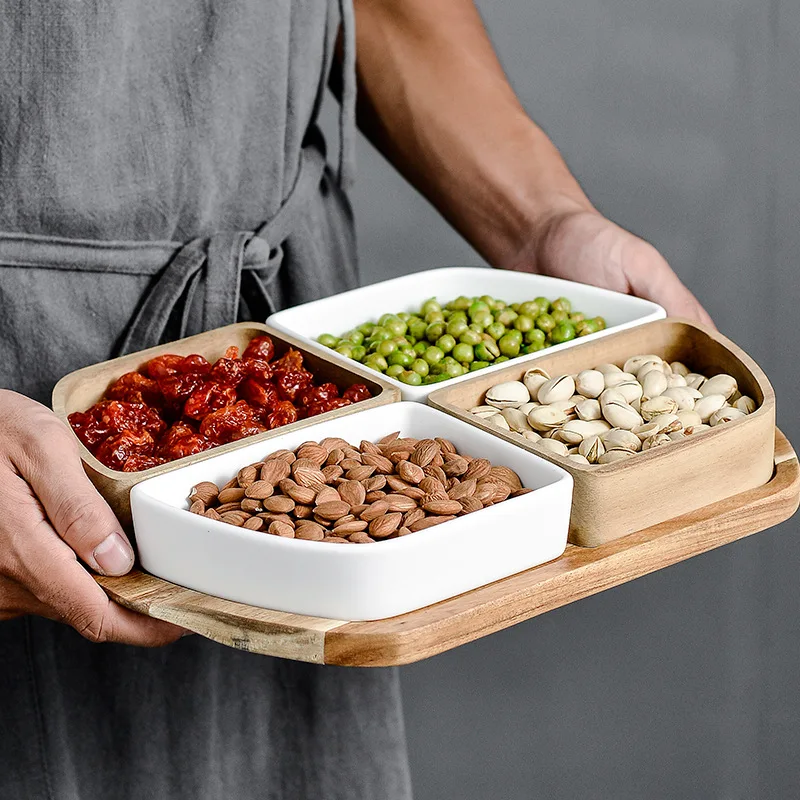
[[616, 499], [79, 390], [580, 572]]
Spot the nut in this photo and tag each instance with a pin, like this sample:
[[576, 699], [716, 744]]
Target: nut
[[259, 490], [206, 492], [383, 526], [511, 393]]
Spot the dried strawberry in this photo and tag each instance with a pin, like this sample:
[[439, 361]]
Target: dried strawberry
[[133, 387], [259, 369], [316, 394]]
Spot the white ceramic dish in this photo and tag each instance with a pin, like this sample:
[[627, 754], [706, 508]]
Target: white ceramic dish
[[354, 582], [347, 310]]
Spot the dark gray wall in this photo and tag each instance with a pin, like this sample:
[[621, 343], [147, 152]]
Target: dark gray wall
[[682, 120]]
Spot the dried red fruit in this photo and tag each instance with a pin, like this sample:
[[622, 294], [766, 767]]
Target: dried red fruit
[[88, 429], [195, 364], [261, 347], [259, 369], [177, 388], [356, 393], [291, 382], [117, 449], [209, 397], [188, 446], [228, 371], [137, 462], [177, 431], [162, 366], [284, 413], [259, 394], [291, 360], [221, 426]]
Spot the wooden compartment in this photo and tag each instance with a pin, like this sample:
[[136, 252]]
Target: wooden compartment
[[81, 389], [616, 499]]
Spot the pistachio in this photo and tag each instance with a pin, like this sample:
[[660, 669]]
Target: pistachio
[[696, 429], [745, 404], [590, 383], [545, 418], [621, 415], [679, 368], [635, 363], [575, 431], [532, 436], [510, 393], [675, 381], [682, 395], [616, 378], [675, 436], [689, 418], [655, 441], [588, 410], [591, 449], [553, 446], [517, 419], [526, 408], [484, 411], [649, 367], [653, 384], [630, 390], [695, 380], [720, 384], [646, 430], [607, 369], [612, 396], [617, 454], [577, 458], [709, 405], [725, 414], [533, 379], [560, 388], [658, 405], [499, 421], [618, 438]]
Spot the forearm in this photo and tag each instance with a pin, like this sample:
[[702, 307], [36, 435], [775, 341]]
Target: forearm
[[434, 99]]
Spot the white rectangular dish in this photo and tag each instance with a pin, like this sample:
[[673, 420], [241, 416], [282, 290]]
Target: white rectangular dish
[[341, 312], [356, 582]]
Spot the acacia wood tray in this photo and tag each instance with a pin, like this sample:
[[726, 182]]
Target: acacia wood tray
[[580, 572]]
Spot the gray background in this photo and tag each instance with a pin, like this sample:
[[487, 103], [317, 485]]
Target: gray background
[[682, 120]]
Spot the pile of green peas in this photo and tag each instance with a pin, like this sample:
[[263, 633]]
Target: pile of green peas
[[470, 333]]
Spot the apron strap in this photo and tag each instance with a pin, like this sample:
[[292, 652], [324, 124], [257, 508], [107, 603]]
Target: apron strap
[[347, 109], [220, 261]]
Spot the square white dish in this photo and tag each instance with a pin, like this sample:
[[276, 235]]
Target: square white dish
[[341, 312], [354, 582]]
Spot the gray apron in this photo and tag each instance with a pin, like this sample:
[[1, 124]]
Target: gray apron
[[161, 173]]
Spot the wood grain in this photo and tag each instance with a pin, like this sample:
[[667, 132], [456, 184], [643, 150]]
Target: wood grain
[[616, 499], [580, 572]]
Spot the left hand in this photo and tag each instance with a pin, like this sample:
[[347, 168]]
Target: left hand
[[582, 245]]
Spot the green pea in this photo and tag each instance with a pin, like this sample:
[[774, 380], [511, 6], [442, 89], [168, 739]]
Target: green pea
[[506, 316], [379, 334], [455, 369], [527, 349], [562, 304], [328, 339], [488, 299], [588, 327], [446, 342], [416, 327], [501, 360], [577, 316], [543, 303], [499, 305], [483, 318], [434, 316], [430, 305], [531, 308], [559, 315], [394, 370], [514, 307], [433, 355], [563, 332], [476, 365], [464, 353], [404, 315], [396, 326], [496, 330], [386, 348], [477, 307], [601, 323], [345, 349], [487, 351], [366, 328], [455, 327], [461, 303], [410, 377], [401, 359], [437, 369], [462, 315], [523, 323], [428, 379], [419, 348], [359, 352], [384, 318], [510, 343], [420, 366], [544, 322], [470, 337], [374, 361], [535, 336], [434, 331]]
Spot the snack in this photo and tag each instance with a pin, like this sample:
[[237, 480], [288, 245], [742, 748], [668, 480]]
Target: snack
[[610, 413], [334, 492], [465, 335], [176, 406]]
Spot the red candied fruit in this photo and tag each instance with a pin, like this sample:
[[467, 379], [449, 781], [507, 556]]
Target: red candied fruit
[[188, 446], [326, 405], [284, 413], [162, 366], [317, 394], [262, 347], [115, 417], [356, 393], [195, 364], [259, 369], [87, 428], [223, 425], [208, 398], [291, 382], [133, 387], [229, 371], [291, 360], [137, 462], [258, 394], [117, 449], [177, 388]]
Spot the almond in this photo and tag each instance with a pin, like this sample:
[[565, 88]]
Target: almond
[[303, 511], [381, 463], [232, 495], [315, 453], [485, 492], [300, 494], [335, 540], [309, 477], [424, 452], [281, 455], [369, 447], [235, 518], [310, 531], [520, 492], [436, 472], [396, 483], [246, 476], [327, 495], [360, 538], [349, 463], [414, 492], [478, 468], [234, 506], [432, 486], [281, 529], [206, 492], [279, 504], [274, 471], [381, 527], [357, 510], [335, 456], [410, 517], [463, 489], [351, 452], [212, 514], [354, 526], [332, 472], [373, 497], [375, 483], [197, 507], [428, 522], [411, 473], [334, 443], [360, 473], [455, 466], [352, 492], [253, 524], [259, 490], [390, 437], [399, 502], [507, 476], [270, 517], [232, 483], [399, 455], [251, 506], [443, 507], [332, 510], [446, 445], [375, 510]]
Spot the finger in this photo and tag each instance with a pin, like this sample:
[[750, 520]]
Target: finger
[[70, 593], [17, 601], [75, 508]]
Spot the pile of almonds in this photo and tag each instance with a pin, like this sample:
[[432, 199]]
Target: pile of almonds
[[611, 412], [332, 491]]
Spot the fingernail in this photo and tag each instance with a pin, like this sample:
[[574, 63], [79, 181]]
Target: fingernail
[[113, 555]]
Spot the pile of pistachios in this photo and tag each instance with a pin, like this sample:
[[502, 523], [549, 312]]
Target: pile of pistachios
[[610, 413]]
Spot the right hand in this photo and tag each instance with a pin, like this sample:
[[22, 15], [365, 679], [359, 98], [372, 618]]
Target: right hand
[[50, 513]]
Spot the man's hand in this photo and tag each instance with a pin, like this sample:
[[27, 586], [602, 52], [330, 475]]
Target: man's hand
[[49, 513], [584, 246]]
